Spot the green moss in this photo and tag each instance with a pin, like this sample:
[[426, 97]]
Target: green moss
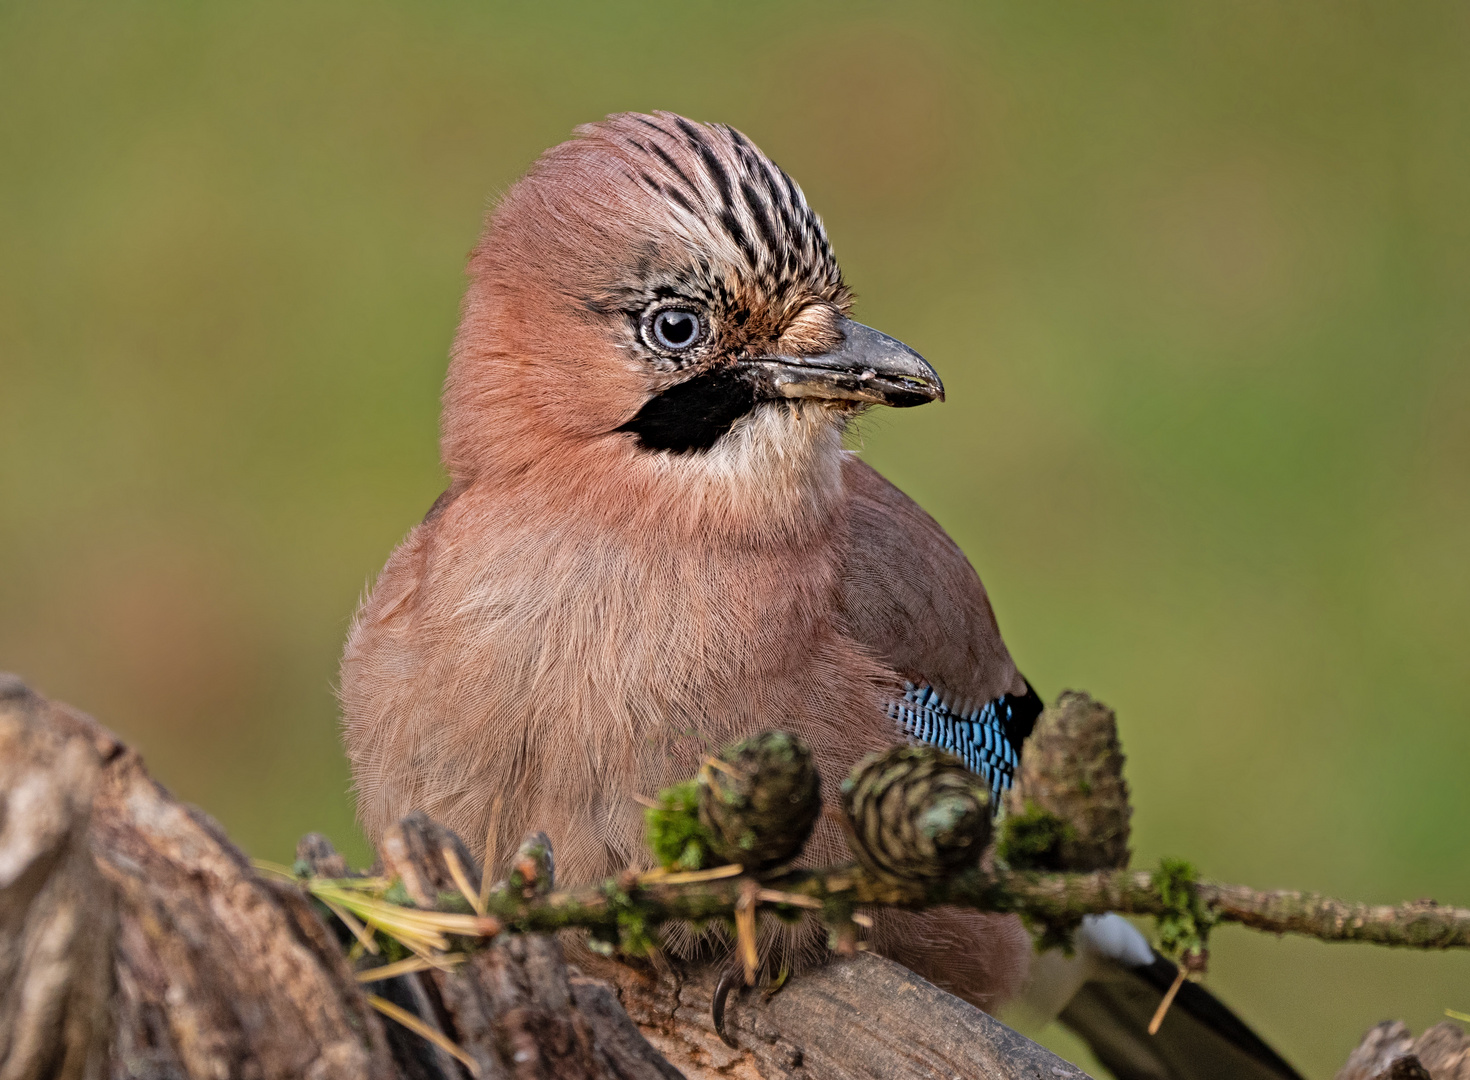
[[678, 840], [634, 935], [397, 894], [1184, 927], [1051, 935], [1033, 839], [455, 902]]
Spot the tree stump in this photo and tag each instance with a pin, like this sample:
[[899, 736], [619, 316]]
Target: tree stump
[[57, 917], [1389, 1052], [138, 943]]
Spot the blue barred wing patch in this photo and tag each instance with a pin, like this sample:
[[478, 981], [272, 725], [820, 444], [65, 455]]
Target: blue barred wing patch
[[987, 739]]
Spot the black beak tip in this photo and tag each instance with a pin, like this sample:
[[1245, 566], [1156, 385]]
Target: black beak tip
[[908, 399], [916, 391]]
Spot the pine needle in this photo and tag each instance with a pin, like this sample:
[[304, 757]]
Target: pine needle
[[689, 877], [407, 967], [1159, 1013], [492, 849], [1464, 1018], [418, 1027], [389, 915], [724, 767], [274, 868], [362, 933], [745, 930], [461, 879], [776, 896]]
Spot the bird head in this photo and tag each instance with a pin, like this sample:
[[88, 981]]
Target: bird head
[[659, 287]]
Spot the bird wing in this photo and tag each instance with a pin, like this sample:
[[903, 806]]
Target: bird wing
[[910, 595]]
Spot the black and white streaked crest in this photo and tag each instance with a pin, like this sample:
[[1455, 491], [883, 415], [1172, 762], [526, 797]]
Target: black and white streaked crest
[[746, 219]]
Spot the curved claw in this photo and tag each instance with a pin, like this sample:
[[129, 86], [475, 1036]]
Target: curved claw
[[729, 979]]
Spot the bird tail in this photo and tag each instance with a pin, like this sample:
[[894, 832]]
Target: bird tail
[[1110, 990]]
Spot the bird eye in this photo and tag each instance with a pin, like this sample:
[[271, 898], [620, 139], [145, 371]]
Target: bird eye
[[674, 330]]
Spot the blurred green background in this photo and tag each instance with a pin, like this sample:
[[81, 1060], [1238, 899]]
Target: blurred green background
[[1197, 277]]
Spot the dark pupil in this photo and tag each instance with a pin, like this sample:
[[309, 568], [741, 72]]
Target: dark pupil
[[676, 328]]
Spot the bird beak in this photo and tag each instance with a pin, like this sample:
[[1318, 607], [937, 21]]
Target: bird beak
[[867, 367]]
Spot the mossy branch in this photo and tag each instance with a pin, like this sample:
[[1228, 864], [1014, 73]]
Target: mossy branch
[[650, 900], [1045, 897]]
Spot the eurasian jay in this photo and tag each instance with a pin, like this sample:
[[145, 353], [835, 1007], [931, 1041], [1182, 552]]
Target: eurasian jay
[[653, 541]]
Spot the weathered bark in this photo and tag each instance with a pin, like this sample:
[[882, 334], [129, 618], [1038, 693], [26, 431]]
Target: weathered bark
[[56, 916], [1389, 1052], [856, 1017], [137, 942], [213, 971]]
